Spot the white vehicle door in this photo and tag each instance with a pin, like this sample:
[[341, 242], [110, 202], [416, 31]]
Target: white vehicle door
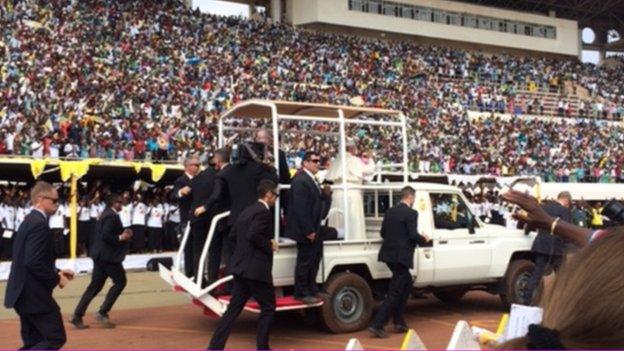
[[461, 254]]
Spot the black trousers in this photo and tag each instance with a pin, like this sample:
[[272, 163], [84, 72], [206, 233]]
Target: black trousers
[[396, 298], [242, 290], [138, 239], [219, 250], [101, 271], [542, 263], [199, 233], [155, 238], [42, 331], [59, 242], [309, 256], [170, 236], [91, 235], [84, 227]]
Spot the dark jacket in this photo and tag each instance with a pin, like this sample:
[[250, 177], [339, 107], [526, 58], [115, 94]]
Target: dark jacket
[[399, 231], [33, 274], [107, 247], [241, 182], [184, 202], [549, 244], [202, 187], [253, 255], [284, 171], [307, 207]]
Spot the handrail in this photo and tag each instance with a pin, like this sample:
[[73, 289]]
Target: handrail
[[202, 260], [178, 258]]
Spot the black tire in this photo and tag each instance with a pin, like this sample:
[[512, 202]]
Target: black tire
[[515, 282], [450, 296], [349, 306]]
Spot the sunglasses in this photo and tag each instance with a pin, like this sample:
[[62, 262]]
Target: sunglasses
[[53, 199], [315, 160]]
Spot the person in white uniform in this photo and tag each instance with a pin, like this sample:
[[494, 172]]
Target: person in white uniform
[[357, 169]]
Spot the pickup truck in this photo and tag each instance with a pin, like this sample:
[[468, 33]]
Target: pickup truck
[[465, 254]]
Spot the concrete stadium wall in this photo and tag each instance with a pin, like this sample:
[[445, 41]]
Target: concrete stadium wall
[[336, 12]]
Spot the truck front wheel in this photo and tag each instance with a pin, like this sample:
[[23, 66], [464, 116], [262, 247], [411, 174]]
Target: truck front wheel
[[516, 282], [349, 306]]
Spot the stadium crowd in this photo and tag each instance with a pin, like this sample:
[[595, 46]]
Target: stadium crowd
[[147, 80]]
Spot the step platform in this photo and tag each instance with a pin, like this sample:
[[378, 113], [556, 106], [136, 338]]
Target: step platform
[[283, 303]]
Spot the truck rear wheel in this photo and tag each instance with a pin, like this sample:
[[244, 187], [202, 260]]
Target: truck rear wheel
[[349, 306], [516, 282]]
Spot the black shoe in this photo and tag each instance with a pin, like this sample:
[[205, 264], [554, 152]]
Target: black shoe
[[104, 321], [401, 328], [380, 333], [322, 296], [308, 300], [78, 323]]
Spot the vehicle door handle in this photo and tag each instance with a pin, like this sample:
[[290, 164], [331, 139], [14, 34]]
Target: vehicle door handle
[[443, 242], [477, 242]]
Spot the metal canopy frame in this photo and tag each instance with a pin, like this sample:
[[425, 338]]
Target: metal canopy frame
[[278, 111]]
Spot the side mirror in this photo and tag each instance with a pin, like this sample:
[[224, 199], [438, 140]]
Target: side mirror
[[472, 223]]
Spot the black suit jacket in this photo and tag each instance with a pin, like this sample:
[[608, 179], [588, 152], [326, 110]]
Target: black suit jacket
[[107, 247], [550, 244], [33, 274], [284, 172], [184, 202], [241, 182], [307, 207], [253, 255], [202, 187], [399, 231]]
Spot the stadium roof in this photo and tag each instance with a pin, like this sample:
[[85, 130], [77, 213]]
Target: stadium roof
[[589, 13]]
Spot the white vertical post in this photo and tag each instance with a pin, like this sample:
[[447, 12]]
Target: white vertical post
[[343, 154], [275, 125]]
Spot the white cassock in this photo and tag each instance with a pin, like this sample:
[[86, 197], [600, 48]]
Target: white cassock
[[356, 171]]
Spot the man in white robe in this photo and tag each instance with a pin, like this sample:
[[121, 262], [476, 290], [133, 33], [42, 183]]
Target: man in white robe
[[357, 169]]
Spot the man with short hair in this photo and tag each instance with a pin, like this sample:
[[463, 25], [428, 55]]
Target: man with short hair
[[220, 241], [182, 195], [33, 275], [309, 204], [548, 249], [399, 231], [252, 266], [109, 251]]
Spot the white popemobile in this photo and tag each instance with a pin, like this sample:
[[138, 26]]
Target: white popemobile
[[465, 254]]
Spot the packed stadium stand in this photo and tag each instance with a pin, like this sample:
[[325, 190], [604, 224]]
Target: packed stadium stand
[[148, 79]]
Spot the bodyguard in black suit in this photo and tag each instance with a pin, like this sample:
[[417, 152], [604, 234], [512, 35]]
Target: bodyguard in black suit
[[182, 195], [109, 251], [242, 180], [221, 243], [399, 231], [202, 187], [309, 204], [549, 249], [33, 275], [252, 266]]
